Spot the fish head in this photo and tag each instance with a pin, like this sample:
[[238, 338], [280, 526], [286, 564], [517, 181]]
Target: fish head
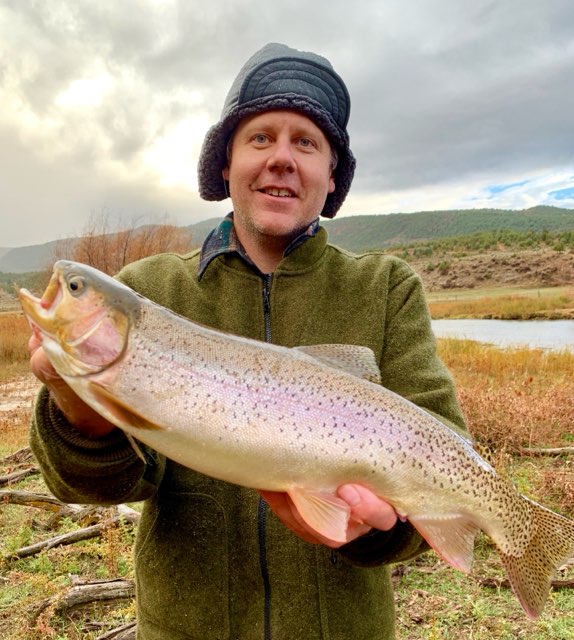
[[83, 318]]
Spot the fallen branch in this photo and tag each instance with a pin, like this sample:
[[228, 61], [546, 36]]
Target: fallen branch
[[126, 515], [39, 500], [83, 594], [504, 583], [18, 457], [84, 514], [541, 451], [16, 476], [125, 632]]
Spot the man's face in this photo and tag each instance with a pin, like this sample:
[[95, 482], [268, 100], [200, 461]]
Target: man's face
[[279, 174]]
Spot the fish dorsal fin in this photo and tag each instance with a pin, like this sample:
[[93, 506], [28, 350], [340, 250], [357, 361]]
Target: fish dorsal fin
[[452, 537], [324, 512], [351, 358], [118, 412]]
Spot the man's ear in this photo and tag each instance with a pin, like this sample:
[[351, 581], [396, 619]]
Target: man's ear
[[225, 174], [331, 184]]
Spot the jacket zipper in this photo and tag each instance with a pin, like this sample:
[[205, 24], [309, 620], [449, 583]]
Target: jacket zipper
[[262, 510], [267, 305]]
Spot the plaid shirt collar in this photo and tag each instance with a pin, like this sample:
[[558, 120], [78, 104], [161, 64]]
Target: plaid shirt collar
[[223, 239]]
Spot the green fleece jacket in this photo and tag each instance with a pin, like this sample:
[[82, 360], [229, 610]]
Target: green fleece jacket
[[211, 562]]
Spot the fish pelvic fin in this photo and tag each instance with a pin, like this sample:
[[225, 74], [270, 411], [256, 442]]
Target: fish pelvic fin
[[118, 412], [323, 512], [135, 446], [531, 574], [451, 536]]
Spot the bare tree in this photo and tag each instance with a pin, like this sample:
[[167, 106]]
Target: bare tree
[[109, 247]]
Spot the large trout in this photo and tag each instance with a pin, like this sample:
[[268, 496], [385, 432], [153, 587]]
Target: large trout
[[302, 420]]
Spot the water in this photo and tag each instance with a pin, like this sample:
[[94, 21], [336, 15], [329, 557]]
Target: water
[[555, 335]]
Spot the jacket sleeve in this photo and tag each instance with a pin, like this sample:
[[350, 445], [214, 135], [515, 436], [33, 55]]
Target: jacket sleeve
[[410, 367], [90, 471]]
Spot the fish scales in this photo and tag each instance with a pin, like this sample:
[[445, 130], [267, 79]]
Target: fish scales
[[292, 423], [302, 420]]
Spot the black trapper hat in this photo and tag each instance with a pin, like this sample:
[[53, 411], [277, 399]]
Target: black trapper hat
[[278, 77]]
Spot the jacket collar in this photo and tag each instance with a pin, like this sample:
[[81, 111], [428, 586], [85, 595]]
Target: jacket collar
[[223, 240]]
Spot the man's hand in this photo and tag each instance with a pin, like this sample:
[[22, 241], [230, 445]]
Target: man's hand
[[80, 415], [367, 512]]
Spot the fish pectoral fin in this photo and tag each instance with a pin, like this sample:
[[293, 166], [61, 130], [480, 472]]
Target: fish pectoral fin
[[351, 358], [119, 413], [452, 537], [324, 512]]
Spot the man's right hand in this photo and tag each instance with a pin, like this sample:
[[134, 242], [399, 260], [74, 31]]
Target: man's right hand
[[80, 415]]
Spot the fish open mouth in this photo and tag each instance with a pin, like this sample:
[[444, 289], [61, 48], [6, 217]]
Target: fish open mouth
[[40, 311], [52, 295]]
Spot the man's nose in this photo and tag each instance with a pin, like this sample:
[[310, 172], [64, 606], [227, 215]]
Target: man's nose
[[281, 157]]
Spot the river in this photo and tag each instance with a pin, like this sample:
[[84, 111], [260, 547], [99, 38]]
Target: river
[[555, 335]]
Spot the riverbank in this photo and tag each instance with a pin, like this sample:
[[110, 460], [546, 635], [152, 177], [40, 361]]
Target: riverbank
[[504, 303]]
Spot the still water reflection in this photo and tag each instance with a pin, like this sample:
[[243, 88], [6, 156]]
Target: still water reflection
[[555, 335]]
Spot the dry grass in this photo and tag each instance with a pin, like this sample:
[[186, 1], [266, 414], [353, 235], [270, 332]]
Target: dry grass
[[17, 398], [14, 336], [556, 482], [513, 397], [507, 307]]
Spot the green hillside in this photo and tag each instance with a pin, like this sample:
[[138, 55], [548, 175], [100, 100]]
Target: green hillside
[[364, 232]]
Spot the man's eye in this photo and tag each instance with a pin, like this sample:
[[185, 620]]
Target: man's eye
[[260, 138], [305, 142]]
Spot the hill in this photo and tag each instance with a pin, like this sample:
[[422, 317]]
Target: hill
[[364, 232]]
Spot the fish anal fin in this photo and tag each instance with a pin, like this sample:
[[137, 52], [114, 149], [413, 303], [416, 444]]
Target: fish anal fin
[[118, 412], [452, 537], [357, 360], [323, 512]]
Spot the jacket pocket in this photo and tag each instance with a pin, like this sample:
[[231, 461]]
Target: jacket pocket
[[182, 559]]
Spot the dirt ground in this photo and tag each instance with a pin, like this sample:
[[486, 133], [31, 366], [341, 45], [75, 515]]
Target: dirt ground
[[16, 395], [497, 269]]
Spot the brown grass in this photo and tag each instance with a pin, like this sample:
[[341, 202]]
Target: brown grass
[[508, 307], [557, 483], [14, 336], [513, 397]]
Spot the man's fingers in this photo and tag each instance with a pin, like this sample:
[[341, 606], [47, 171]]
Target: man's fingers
[[40, 365], [367, 508], [367, 512]]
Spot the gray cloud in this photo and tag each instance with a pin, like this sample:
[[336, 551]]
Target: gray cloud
[[444, 95]]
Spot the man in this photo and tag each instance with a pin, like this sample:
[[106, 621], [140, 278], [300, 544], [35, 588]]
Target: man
[[211, 561]]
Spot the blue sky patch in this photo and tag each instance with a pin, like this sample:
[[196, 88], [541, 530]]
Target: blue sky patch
[[499, 188], [563, 194]]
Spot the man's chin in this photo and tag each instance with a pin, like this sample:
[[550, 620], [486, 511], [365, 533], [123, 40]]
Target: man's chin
[[282, 228]]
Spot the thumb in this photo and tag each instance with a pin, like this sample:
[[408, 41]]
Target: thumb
[[367, 507]]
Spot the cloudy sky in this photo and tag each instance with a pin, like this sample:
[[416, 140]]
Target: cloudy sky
[[103, 105]]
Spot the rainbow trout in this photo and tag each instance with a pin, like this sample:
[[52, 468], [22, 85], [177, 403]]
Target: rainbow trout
[[302, 420]]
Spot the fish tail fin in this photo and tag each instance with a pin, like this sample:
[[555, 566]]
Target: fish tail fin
[[531, 574]]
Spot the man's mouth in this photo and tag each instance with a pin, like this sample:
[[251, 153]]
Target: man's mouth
[[281, 193]]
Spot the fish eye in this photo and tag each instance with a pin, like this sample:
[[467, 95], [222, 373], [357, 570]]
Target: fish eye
[[76, 284]]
